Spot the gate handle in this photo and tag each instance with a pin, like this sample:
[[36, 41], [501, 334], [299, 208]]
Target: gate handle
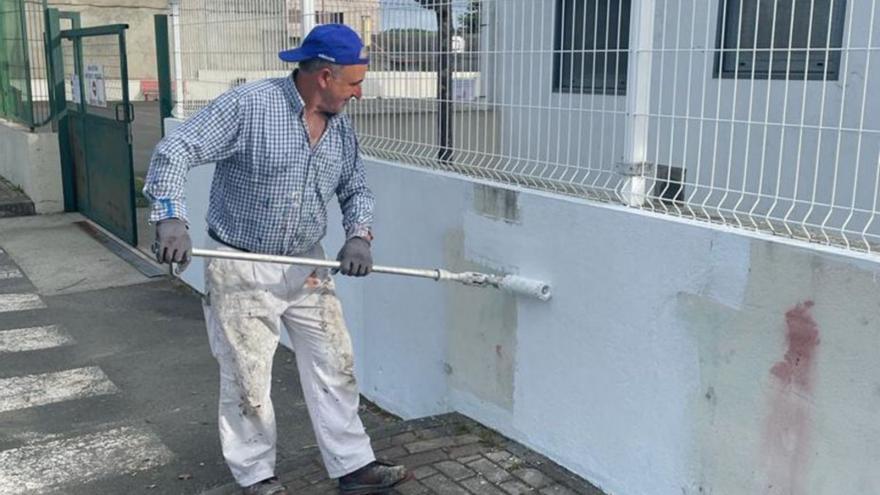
[[130, 113]]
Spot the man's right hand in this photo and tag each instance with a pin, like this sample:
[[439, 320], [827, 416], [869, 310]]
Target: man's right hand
[[173, 244]]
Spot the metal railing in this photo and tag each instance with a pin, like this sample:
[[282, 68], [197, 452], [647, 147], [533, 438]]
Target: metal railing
[[24, 88], [752, 114], [222, 44]]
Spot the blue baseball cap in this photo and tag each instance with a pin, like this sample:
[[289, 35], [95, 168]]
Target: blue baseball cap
[[336, 43]]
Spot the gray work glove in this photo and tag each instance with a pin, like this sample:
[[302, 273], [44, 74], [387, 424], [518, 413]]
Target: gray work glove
[[173, 244], [355, 258]]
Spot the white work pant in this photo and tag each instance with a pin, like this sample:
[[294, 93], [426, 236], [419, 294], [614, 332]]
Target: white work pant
[[246, 306]]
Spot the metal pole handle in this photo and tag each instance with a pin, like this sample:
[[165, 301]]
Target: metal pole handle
[[433, 274]]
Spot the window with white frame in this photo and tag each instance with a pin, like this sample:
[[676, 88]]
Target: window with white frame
[[780, 39], [330, 17], [591, 40]]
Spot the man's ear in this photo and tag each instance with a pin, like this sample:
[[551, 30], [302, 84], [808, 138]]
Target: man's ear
[[324, 77]]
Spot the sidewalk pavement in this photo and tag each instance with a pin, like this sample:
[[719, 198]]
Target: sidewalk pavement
[[122, 359], [448, 455]]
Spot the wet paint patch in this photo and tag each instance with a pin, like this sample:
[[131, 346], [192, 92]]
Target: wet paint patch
[[481, 333]]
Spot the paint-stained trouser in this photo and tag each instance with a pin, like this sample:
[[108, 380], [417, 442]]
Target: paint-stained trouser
[[246, 306]]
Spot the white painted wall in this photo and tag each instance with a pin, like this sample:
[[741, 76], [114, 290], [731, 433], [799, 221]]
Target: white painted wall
[[31, 161], [651, 369]]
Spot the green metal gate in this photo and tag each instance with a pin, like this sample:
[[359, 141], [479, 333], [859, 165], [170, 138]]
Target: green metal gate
[[98, 125]]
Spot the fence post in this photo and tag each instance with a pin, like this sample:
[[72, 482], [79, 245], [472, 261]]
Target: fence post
[[54, 64], [5, 92], [307, 8], [443, 11], [73, 17], [634, 190], [163, 68], [26, 56], [177, 111], [58, 100], [444, 80]]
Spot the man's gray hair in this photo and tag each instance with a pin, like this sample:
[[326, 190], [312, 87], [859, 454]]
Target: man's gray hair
[[313, 65]]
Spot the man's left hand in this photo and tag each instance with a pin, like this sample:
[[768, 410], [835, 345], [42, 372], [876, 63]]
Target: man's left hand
[[355, 258]]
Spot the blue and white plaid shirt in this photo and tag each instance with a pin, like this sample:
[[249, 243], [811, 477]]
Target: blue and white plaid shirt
[[270, 189]]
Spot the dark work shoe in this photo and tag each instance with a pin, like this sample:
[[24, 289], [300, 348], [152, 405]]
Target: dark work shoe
[[376, 477], [270, 486]]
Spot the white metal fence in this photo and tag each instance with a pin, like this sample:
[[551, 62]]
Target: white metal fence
[[757, 114]]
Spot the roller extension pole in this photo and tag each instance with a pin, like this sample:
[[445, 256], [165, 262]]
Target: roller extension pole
[[510, 283]]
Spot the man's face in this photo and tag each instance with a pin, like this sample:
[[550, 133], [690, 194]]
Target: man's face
[[340, 88]]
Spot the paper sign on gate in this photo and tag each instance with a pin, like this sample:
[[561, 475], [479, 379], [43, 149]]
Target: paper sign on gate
[[94, 82], [74, 88]]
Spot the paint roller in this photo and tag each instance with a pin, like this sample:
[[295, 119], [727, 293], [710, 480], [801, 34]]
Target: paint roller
[[513, 284]]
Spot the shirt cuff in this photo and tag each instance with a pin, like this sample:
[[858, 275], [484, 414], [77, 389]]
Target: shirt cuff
[[164, 208], [362, 231]]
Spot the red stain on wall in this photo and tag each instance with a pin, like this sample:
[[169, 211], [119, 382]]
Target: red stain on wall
[[802, 335], [789, 423]]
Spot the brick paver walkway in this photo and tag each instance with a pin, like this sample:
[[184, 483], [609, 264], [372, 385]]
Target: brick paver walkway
[[449, 455]]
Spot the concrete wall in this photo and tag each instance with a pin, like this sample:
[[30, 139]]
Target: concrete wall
[[674, 358], [31, 161]]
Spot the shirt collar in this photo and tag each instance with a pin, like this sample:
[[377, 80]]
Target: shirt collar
[[293, 94], [299, 104]]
